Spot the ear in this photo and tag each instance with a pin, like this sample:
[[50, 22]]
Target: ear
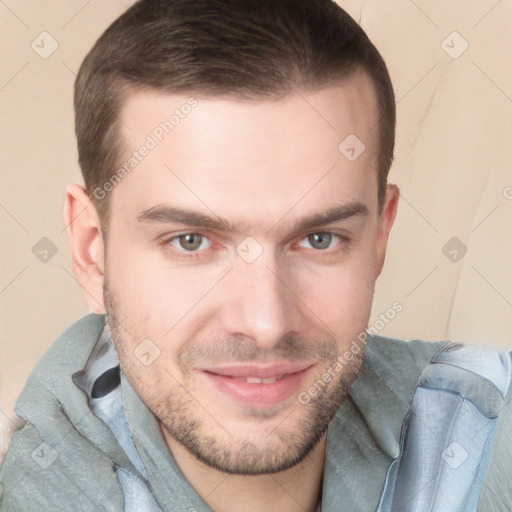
[[87, 251], [385, 223]]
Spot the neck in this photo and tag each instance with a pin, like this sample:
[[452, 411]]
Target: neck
[[297, 489]]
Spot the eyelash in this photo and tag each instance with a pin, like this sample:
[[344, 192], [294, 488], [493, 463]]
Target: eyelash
[[343, 240]]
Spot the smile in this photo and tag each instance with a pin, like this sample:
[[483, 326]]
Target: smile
[[253, 386]]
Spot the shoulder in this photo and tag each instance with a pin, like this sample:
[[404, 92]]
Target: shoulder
[[52, 374], [466, 394], [496, 493], [423, 362], [43, 453], [43, 474], [392, 366], [71, 349], [392, 352], [398, 364], [460, 408]]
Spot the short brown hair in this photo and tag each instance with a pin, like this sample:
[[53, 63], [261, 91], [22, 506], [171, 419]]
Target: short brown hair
[[252, 49]]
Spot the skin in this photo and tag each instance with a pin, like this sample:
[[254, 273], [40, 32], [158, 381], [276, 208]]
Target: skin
[[265, 165]]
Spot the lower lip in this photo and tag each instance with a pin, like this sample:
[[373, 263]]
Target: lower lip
[[258, 395]]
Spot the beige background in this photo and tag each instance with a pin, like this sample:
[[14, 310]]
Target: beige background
[[452, 164]]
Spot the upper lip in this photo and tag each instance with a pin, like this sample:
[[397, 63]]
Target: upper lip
[[262, 372]]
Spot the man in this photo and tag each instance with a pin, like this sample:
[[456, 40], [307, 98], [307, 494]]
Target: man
[[234, 219]]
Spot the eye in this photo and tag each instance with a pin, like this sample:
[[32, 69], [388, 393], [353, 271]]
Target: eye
[[190, 242], [321, 240]]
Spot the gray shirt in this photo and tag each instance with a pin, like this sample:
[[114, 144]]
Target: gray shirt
[[65, 456]]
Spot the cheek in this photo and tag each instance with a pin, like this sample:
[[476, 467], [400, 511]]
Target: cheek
[[147, 286], [341, 295], [163, 303]]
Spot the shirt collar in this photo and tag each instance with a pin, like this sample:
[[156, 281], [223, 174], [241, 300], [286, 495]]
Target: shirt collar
[[363, 437]]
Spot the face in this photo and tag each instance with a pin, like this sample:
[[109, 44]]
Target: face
[[243, 248]]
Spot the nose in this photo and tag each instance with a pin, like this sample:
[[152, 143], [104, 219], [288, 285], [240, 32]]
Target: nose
[[259, 302]]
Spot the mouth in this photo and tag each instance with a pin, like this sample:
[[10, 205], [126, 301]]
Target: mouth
[[257, 386]]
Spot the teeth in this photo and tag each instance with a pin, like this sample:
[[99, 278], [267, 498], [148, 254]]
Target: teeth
[[256, 380]]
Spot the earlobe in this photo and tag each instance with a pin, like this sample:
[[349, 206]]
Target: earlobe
[[386, 220], [86, 243]]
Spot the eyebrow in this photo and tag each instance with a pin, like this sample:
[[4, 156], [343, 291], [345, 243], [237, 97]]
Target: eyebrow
[[169, 214]]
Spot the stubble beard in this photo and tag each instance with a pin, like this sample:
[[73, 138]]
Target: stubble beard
[[183, 417]]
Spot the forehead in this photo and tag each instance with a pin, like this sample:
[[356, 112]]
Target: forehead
[[235, 156]]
